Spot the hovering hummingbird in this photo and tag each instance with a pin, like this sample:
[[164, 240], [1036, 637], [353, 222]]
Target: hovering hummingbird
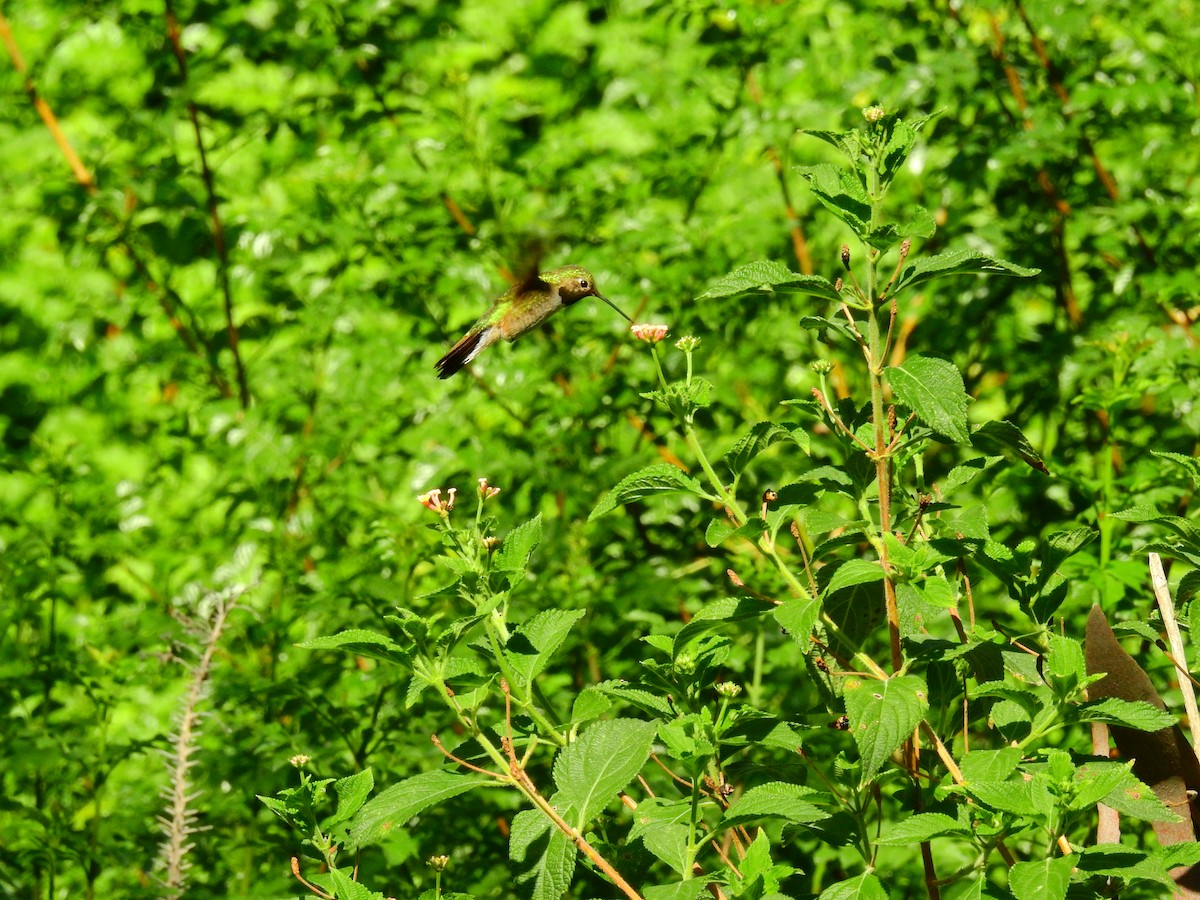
[[519, 309]]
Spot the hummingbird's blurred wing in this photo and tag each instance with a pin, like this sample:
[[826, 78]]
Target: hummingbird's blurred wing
[[532, 281]]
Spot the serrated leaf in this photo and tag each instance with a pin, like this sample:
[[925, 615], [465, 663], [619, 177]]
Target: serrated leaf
[[589, 704], [966, 473], [1185, 528], [1186, 853], [1136, 714], [933, 389], [518, 546], [958, 262], [922, 224], [346, 888], [660, 478], [861, 887], [798, 616], [989, 765], [1125, 862], [361, 642], [645, 700], [1006, 436], [759, 438], [601, 762], [883, 715], [852, 572], [397, 804], [820, 323], [531, 646], [922, 827], [840, 192], [662, 827], [779, 800], [721, 530], [765, 277], [719, 613], [688, 889], [1021, 798], [1190, 464], [352, 791], [554, 869], [1043, 879]]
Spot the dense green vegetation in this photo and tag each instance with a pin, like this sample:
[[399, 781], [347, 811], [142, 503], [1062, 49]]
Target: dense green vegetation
[[236, 238]]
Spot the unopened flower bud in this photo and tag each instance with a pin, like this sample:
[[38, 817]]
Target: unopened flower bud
[[821, 366], [490, 543], [486, 491], [728, 689], [873, 114], [438, 863], [687, 343], [299, 760]]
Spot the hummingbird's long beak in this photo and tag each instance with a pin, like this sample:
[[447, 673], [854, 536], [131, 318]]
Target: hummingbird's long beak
[[614, 306]]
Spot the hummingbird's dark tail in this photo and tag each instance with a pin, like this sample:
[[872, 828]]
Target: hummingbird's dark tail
[[463, 352]]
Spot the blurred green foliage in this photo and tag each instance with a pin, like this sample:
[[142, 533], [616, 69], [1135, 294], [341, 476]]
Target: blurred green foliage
[[377, 168]]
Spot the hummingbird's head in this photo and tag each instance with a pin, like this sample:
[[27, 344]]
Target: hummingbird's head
[[574, 283]]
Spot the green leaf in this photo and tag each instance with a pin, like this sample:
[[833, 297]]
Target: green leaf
[[958, 262], [758, 439], [883, 715], [590, 703], [394, 806], [659, 478], [346, 888], [1190, 464], [601, 762], [798, 616], [555, 868], [923, 827], [933, 389], [1019, 797], [778, 800], [840, 192], [1007, 437], [966, 473], [860, 887], [531, 646], [352, 791], [662, 827], [852, 572], [1136, 714], [721, 530], [922, 224], [648, 701], [765, 277], [361, 642], [1044, 879], [718, 613], [1127, 863], [688, 889], [517, 547]]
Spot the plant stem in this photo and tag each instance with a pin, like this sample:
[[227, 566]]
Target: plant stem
[[881, 454]]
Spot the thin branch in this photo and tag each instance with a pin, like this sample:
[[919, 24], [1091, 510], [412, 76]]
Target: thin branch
[[214, 210], [1166, 605], [82, 175]]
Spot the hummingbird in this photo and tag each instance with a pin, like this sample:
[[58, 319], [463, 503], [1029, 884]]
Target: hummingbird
[[523, 306]]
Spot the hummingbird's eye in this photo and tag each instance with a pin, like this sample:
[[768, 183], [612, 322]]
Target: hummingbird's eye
[[583, 283]]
